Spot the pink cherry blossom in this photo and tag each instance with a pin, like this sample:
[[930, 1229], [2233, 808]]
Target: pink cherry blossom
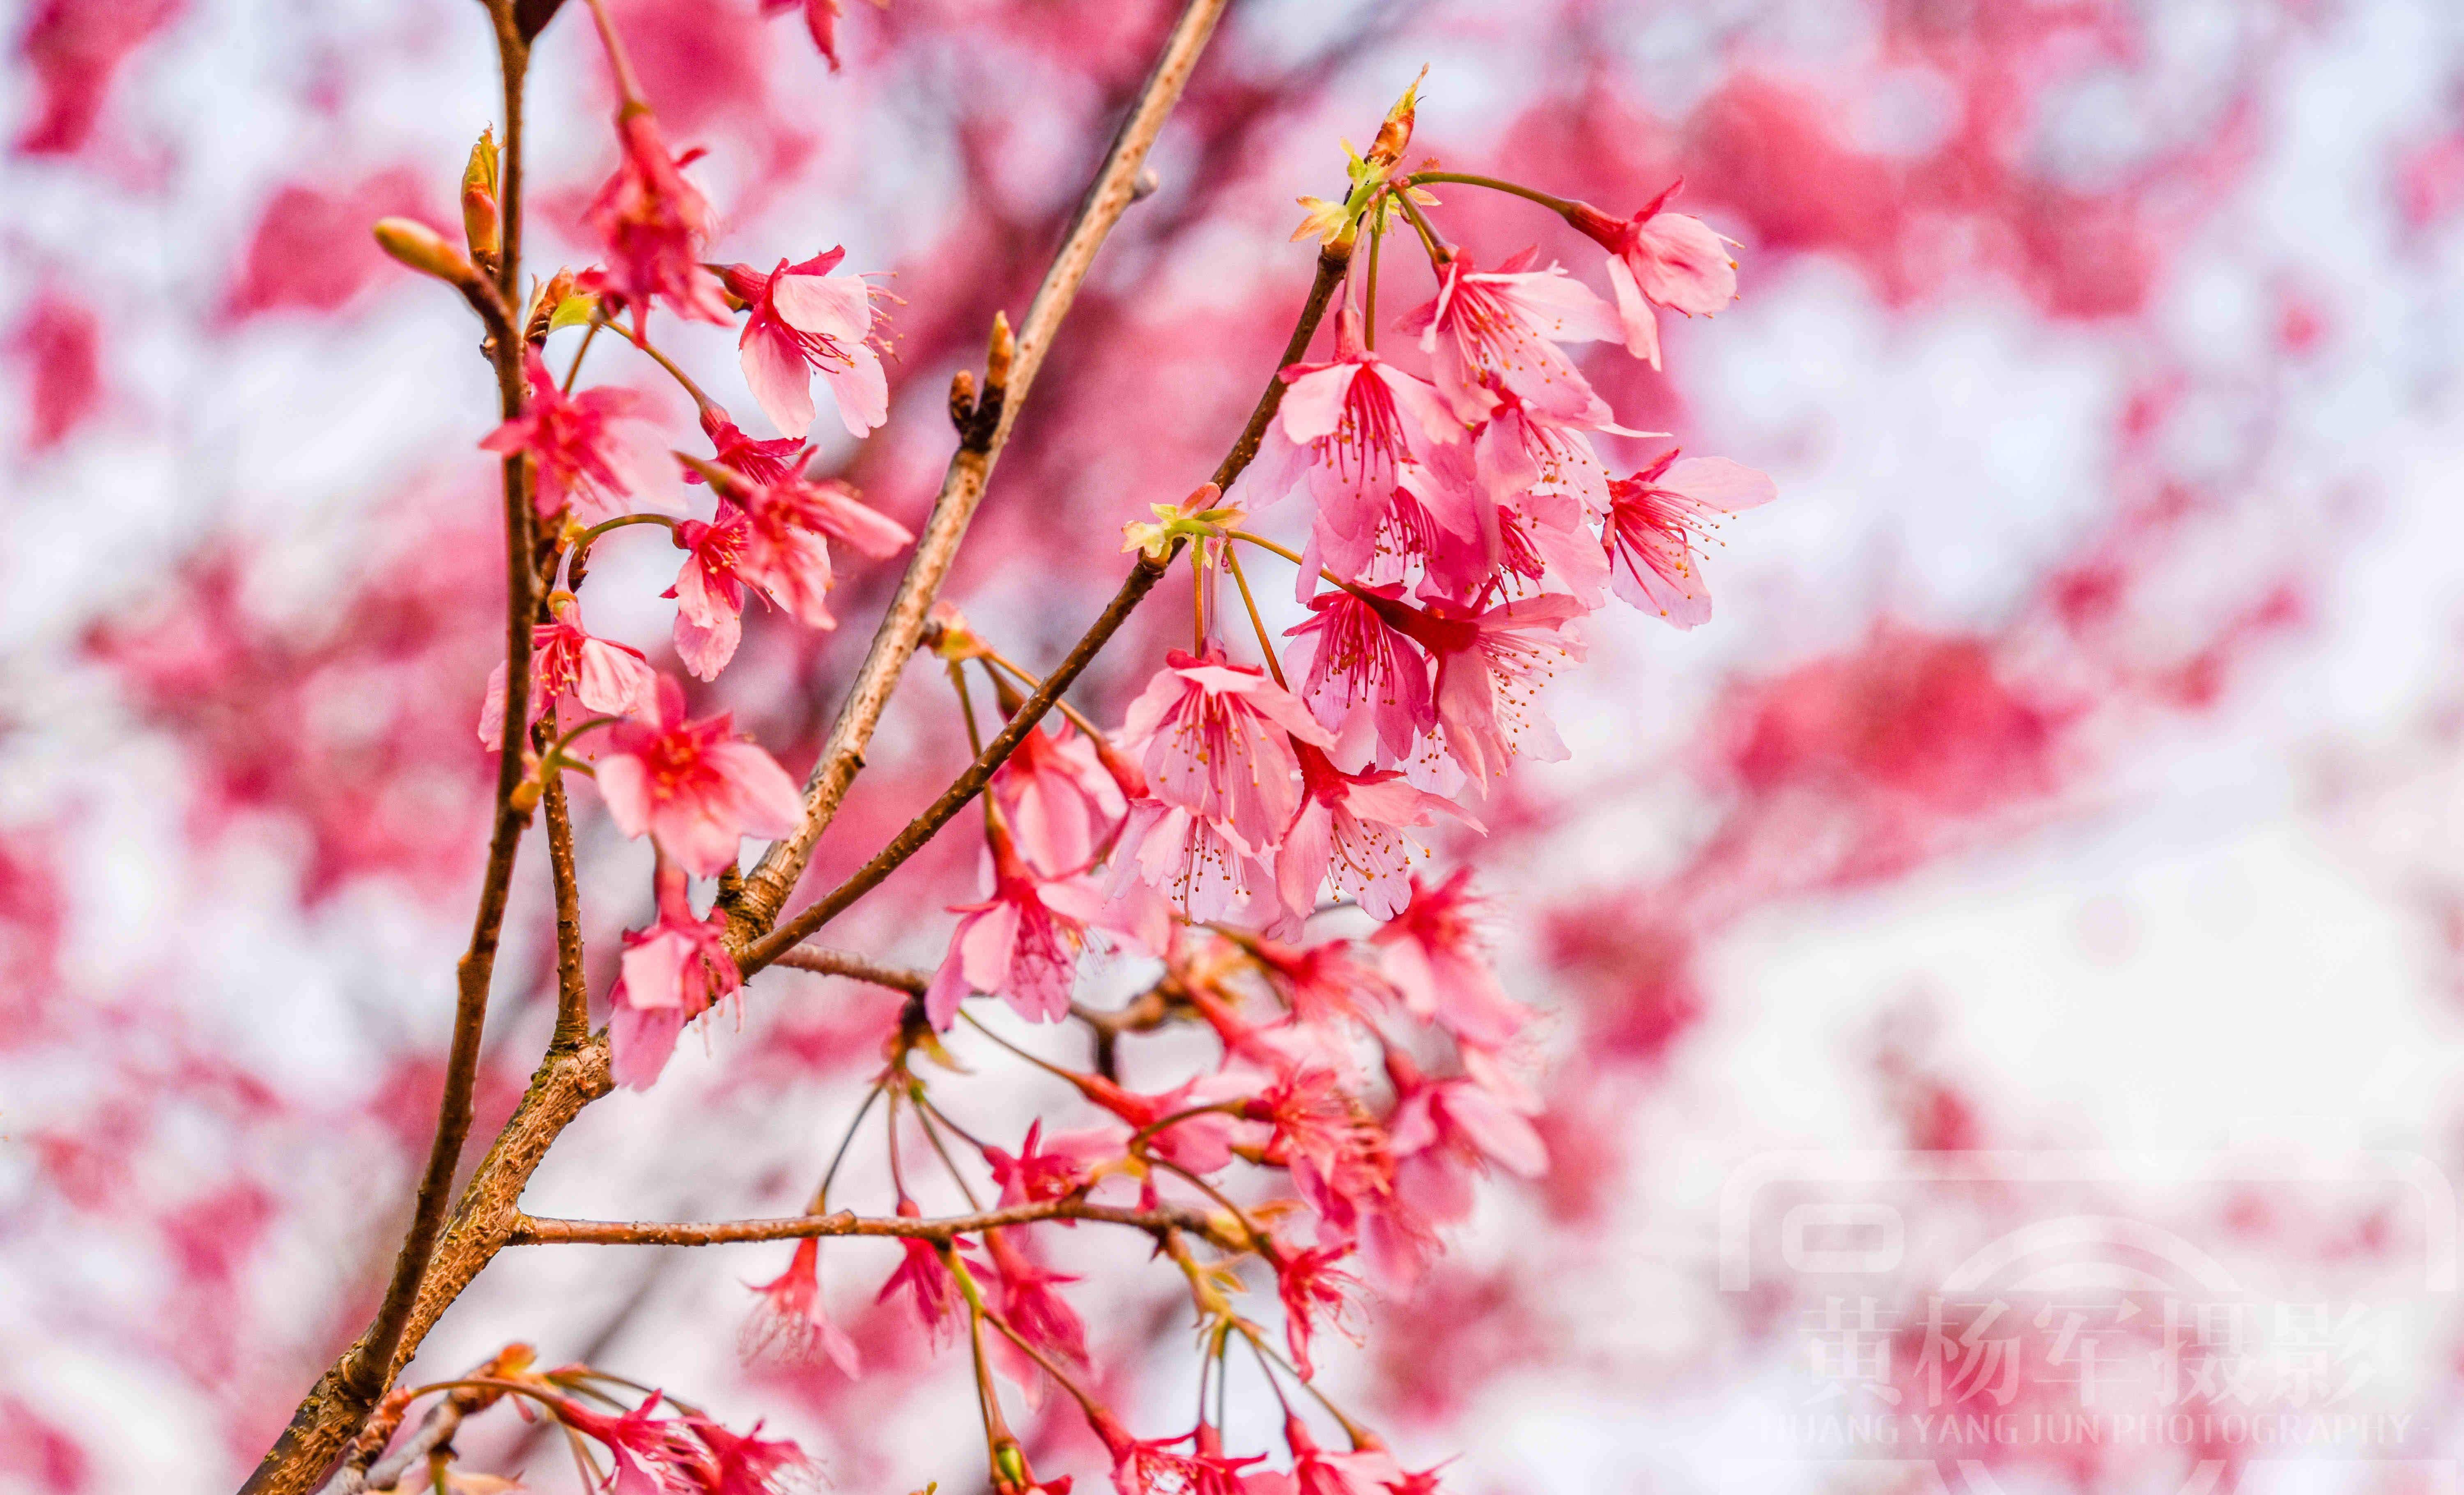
[[671, 974], [1349, 833], [1355, 428], [691, 786], [1445, 1132], [1027, 1295], [1490, 668], [1364, 1471], [1500, 329], [1058, 800], [758, 461], [803, 320], [1021, 944], [709, 591], [932, 1293], [653, 224], [1655, 517], [789, 1323], [609, 679], [1660, 258], [1364, 680], [578, 462], [1200, 864], [1432, 955], [1216, 740]]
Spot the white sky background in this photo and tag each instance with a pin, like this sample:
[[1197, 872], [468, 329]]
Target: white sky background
[[2214, 953]]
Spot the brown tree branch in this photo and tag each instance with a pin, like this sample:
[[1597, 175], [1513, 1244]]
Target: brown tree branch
[[963, 487], [1143, 576], [842, 962], [530, 1231]]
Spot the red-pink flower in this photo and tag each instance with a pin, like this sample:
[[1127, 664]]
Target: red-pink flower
[[651, 1455], [1199, 1142], [57, 340], [789, 1322], [1216, 740], [1026, 1296], [691, 786], [1041, 1173], [1058, 800], [1364, 680], [1431, 953], [1348, 833], [577, 459], [758, 461], [671, 974], [1366, 1470], [654, 223], [821, 23], [1021, 944], [1314, 1291], [1198, 863], [1655, 516], [710, 590], [1660, 258], [1500, 329], [1152, 1466], [1336, 1153], [1443, 1131], [609, 679], [742, 1463], [932, 1292], [803, 320]]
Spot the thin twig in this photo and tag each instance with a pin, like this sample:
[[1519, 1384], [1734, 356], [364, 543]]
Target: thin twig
[[840, 962], [963, 487]]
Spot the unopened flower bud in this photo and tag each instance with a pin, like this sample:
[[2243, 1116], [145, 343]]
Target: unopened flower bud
[[998, 356], [480, 227], [1395, 135], [423, 249]]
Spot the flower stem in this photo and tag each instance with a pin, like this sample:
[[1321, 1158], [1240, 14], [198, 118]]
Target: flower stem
[[1266, 645], [1555, 205], [627, 84], [574, 372], [700, 400]]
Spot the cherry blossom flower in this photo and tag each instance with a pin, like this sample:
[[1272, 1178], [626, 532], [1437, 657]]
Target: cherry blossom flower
[[1021, 944], [788, 1323], [1200, 864], [742, 1464], [1321, 983], [932, 1293], [651, 1455], [1315, 1292], [1431, 954], [801, 319], [691, 786], [578, 462], [1445, 1131], [1357, 429], [1152, 1466], [1363, 679], [1489, 667], [1366, 1470], [607, 678], [1058, 800], [1025, 1294], [709, 590], [1041, 1173], [653, 224], [1216, 740], [1658, 258], [1200, 1143], [1337, 1154], [1500, 329], [1349, 832], [671, 974], [1655, 516], [758, 461]]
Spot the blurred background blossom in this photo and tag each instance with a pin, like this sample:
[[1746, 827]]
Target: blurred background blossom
[[2071, 765]]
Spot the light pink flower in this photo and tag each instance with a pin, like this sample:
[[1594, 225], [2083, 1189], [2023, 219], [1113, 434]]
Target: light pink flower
[[671, 974], [1362, 678], [1660, 258], [577, 459], [1198, 863], [609, 679], [1655, 516], [1021, 944], [803, 320], [1489, 668], [691, 786], [1216, 740], [1355, 428], [1058, 800], [789, 1323], [1500, 329], [1363, 1471], [653, 224], [1349, 833], [784, 551], [1432, 955]]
